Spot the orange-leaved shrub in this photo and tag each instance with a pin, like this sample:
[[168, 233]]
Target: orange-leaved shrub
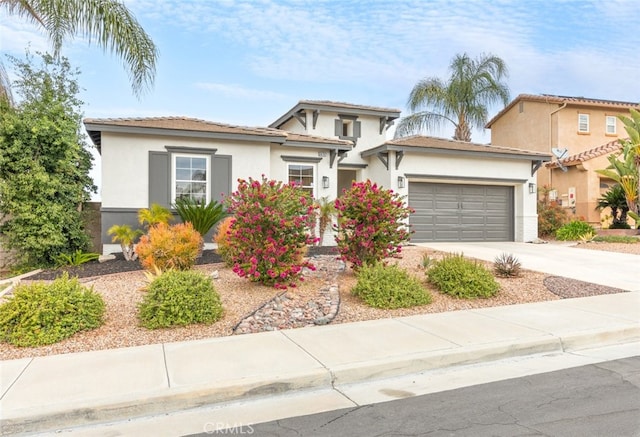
[[221, 238], [169, 247]]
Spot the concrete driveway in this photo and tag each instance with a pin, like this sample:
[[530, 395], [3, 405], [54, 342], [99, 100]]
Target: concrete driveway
[[618, 270]]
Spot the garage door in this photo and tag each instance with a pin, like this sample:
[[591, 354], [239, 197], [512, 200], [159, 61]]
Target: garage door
[[450, 212]]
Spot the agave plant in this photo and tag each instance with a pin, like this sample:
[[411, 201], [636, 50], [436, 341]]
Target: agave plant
[[202, 216]]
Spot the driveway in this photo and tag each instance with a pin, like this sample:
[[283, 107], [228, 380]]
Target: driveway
[[613, 269]]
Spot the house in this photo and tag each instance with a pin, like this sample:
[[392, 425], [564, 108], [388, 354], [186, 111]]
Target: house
[[589, 130], [460, 191]]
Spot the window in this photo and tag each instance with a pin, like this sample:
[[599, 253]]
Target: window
[[610, 128], [304, 176], [191, 177], [347, 131], [583, 123]]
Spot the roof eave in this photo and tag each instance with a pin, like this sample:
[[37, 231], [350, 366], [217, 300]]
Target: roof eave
[[141, 130], [439, 151]]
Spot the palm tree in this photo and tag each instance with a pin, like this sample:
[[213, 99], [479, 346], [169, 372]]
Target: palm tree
[[107, 22], [632, 148], [474, 85], [615, 199]]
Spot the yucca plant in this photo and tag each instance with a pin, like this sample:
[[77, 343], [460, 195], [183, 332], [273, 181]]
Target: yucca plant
[[202, 217]]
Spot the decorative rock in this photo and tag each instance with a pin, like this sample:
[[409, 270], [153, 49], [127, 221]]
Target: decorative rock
[[215, 274], [285, 312]]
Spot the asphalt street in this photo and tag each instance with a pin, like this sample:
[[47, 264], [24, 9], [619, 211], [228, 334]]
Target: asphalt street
[[595, 400]]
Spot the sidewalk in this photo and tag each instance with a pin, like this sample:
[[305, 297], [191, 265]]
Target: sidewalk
[[49, 393]]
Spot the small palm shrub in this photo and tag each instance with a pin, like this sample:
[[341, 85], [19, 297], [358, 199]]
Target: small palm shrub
[[389, 287], [202, 216], [506, 265], [179, 298], [39, 314], [574, 230], [169, 247], [221, 238], [154, 215], [460, 277], [127, 237]]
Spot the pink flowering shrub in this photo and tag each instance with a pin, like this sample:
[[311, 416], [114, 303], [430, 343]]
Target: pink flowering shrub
[[370, 224], [270, 231]]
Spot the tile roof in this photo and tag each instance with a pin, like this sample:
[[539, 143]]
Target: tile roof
[[184, 123], [605, 149], [303, 138], [347, 105], [560, 100], [421, 141]]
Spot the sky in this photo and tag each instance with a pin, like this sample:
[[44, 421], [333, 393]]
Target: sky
[[247, 62]]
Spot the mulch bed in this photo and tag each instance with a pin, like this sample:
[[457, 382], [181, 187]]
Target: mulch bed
[[120, 265]]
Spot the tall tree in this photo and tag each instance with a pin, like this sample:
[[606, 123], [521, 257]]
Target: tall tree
[[462, 100], [44, 164], [107, 22]]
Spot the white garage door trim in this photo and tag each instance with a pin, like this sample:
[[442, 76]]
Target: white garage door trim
[[461, 212]]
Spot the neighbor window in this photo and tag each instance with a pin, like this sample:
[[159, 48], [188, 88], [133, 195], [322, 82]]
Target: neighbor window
[[610, 125], [583, 123], [191, 177], [304, 176]]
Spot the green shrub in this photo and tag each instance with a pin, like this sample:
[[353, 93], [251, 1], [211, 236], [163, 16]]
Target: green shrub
[[381, 286], [169, 247], [460, 277], [574, 230], [39, 314], [506, 265], [76, 258], [626, 239], [178, 298]]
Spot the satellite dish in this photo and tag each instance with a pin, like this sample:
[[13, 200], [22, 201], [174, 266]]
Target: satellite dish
[[559, 154]]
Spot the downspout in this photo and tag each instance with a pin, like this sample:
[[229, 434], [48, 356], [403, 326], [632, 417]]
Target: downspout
[[564, 105]]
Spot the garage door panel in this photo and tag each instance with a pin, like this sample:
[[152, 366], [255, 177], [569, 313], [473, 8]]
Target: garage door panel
[[450, 212]]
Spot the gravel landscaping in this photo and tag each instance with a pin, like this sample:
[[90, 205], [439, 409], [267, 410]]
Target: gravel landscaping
[[120, 282]]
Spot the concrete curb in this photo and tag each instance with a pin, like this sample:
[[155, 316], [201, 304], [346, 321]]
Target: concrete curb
[[65, 415]]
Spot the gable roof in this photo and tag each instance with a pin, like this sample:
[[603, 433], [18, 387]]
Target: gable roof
[[605, 149], [341, 107], [426, 144], [181, 126], [561, 100]]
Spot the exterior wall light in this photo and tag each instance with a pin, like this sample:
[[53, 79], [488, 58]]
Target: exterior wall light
[[532, 188], [400, 182], [325, 181]]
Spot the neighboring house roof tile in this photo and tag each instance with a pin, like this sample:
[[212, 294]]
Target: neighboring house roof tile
[[340, 107], [421, 142], [605, 149], [560, 100]]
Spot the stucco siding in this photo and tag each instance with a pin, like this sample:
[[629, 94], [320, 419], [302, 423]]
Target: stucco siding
[[125, 170]]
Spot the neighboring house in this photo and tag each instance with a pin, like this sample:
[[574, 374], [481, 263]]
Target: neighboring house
[[461, 191], [588, 128]]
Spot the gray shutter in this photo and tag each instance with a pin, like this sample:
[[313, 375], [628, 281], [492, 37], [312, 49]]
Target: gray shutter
[[159, 179], [356, 129], [221, 177], [338, 124]]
